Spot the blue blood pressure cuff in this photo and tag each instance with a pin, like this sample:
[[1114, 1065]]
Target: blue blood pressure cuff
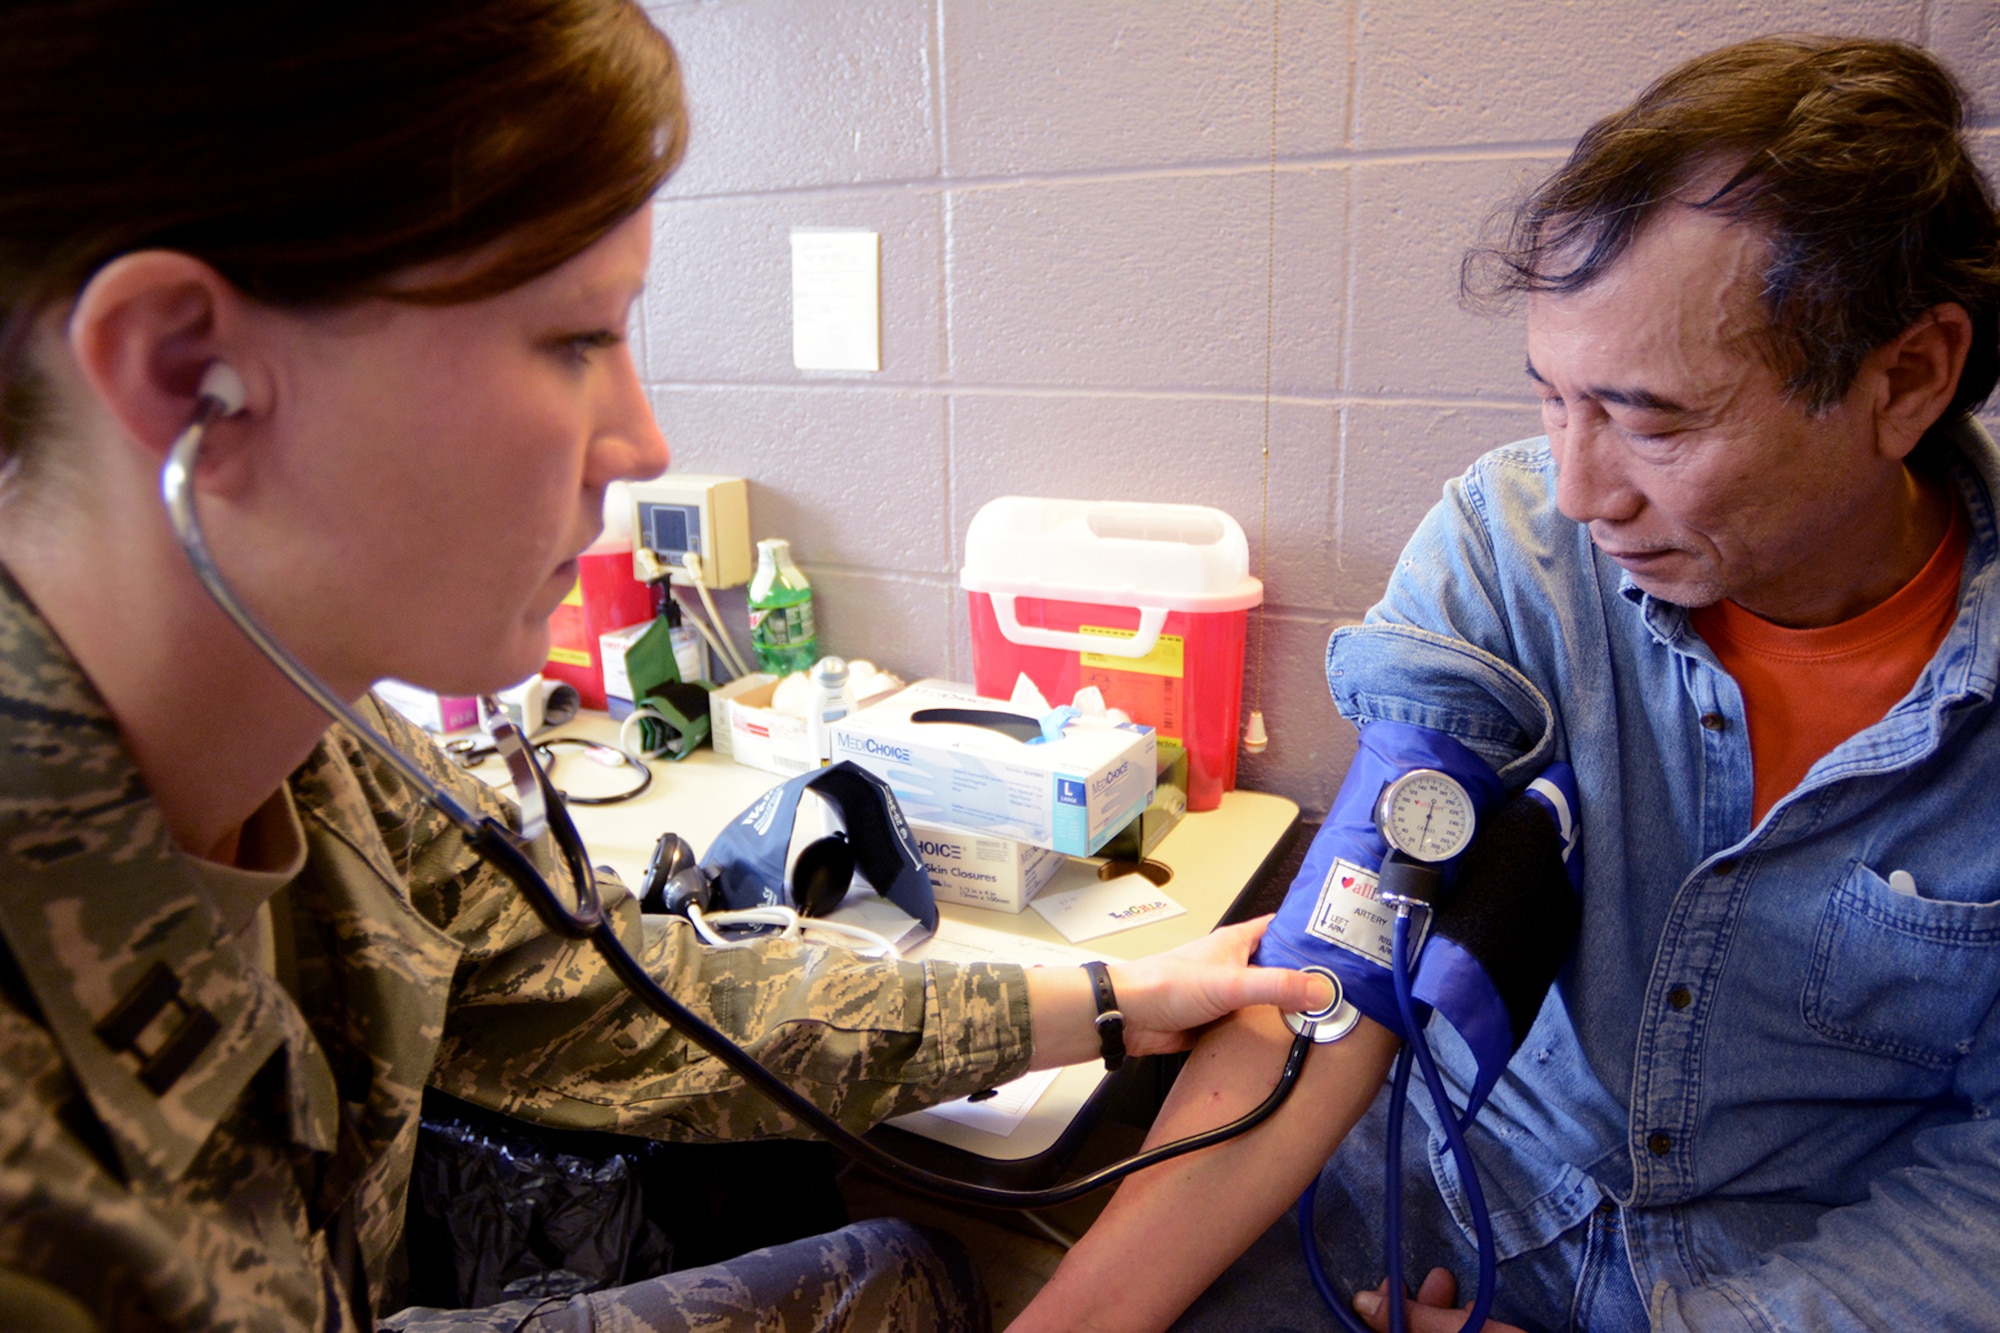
[[1505, 925], [1331, 917]]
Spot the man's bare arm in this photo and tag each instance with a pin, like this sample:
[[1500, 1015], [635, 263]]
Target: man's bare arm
[[1170, 1230]]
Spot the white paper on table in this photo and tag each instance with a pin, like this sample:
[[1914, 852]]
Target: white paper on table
[[1002, 1113], [958, 942], [1100, 909]]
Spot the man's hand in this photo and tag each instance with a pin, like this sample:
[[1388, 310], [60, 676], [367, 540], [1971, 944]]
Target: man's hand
[[1167, 999], [1431, 1312]]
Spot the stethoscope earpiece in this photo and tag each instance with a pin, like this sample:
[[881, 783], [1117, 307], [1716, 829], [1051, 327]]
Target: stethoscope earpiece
[[221, 383]]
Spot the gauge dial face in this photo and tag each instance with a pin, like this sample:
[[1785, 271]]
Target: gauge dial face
[[1426, 815]]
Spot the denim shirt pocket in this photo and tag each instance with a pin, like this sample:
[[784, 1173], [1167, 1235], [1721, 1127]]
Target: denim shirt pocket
[[1902, 976]]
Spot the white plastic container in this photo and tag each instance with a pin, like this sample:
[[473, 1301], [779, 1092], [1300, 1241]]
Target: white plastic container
[[1148, 602]]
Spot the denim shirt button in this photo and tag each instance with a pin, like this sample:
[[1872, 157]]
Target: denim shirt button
[[1713, 721], [1680, 997], [1659, 1143], [1722, 868]]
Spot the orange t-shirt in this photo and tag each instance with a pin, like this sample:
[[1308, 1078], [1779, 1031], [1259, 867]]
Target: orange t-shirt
[[1807, 690]]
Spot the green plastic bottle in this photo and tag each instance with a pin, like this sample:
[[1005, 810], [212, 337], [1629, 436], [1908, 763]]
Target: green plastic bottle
[[781, 611]]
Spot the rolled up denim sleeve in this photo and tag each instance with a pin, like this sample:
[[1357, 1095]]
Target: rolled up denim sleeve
[[1440, 649]]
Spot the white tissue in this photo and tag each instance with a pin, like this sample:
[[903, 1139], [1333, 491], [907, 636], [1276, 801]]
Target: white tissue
[[792, 696], [1028, 697], [868, 680]]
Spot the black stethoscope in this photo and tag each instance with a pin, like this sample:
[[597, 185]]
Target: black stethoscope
[[580, 914]]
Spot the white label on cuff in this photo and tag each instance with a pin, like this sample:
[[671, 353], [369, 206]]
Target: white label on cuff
[[1348, 914]]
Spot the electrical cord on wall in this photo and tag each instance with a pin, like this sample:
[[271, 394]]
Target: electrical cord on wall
[[1255, 737], [691, 563]]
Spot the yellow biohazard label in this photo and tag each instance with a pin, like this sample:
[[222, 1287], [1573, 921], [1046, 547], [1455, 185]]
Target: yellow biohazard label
[[1165, 659], [570, 656], [575, 597]]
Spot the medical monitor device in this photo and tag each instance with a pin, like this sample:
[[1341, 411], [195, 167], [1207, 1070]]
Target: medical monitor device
[[682, 513]]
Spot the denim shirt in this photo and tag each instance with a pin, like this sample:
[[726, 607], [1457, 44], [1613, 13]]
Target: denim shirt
[[1780, 1069]]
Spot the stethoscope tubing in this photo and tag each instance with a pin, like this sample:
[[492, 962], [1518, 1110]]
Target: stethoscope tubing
[[542, 809]]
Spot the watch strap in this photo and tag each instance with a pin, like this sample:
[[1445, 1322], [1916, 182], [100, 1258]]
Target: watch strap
[[1110, 1020]]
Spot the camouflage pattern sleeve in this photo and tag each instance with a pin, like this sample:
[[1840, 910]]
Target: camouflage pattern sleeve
[[258, 1179], [539, 1027]]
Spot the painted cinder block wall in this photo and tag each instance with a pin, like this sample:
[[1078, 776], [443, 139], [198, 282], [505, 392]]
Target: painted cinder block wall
[[1075, 204]]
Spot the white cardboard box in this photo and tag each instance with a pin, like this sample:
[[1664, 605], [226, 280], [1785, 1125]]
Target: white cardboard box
[[1069, 795], [981, 871], [721, 699], [758, 735], [432, 712]]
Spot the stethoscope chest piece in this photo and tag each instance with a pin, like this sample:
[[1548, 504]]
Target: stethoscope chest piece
[[1331, 1023]]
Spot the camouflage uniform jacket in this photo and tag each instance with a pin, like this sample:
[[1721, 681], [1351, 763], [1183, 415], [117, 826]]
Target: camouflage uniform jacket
[[263, 1185]]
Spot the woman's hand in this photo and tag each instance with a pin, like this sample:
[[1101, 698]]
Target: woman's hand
[[1167, 999]]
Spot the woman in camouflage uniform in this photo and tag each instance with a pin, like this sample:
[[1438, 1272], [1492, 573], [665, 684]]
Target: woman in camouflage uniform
[[237, 946]]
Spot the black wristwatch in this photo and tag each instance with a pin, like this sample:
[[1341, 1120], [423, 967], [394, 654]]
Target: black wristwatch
[[1110, 1021]]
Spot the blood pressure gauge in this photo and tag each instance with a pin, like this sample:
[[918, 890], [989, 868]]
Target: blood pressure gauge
[[1426, 815]]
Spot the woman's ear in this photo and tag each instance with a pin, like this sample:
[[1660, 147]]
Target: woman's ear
[[143, 331]]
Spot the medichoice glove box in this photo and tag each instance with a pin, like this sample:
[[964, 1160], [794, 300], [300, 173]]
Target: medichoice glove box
[[1070, 794], [979, 870], [1148, 602], [1136, 841]]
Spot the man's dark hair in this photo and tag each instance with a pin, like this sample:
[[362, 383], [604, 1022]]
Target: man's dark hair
[[1847, 153]]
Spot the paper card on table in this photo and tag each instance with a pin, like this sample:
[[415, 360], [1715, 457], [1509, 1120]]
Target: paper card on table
[[1002, 1112], [1099, 909], [958, 941]]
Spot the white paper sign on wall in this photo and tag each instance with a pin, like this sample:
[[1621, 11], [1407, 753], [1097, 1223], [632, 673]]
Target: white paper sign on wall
[[836, 299]]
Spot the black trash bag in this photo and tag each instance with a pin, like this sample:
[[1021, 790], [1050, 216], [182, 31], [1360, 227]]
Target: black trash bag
[[500, 1209]]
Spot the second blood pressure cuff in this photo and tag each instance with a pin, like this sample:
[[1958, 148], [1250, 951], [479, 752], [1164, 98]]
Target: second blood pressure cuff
[[748, 858]]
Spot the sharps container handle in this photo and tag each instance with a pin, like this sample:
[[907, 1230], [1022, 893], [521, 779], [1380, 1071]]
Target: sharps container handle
[[1151, 619]]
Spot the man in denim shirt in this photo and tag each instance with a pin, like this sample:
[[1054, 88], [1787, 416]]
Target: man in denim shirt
[[1746, 586]]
